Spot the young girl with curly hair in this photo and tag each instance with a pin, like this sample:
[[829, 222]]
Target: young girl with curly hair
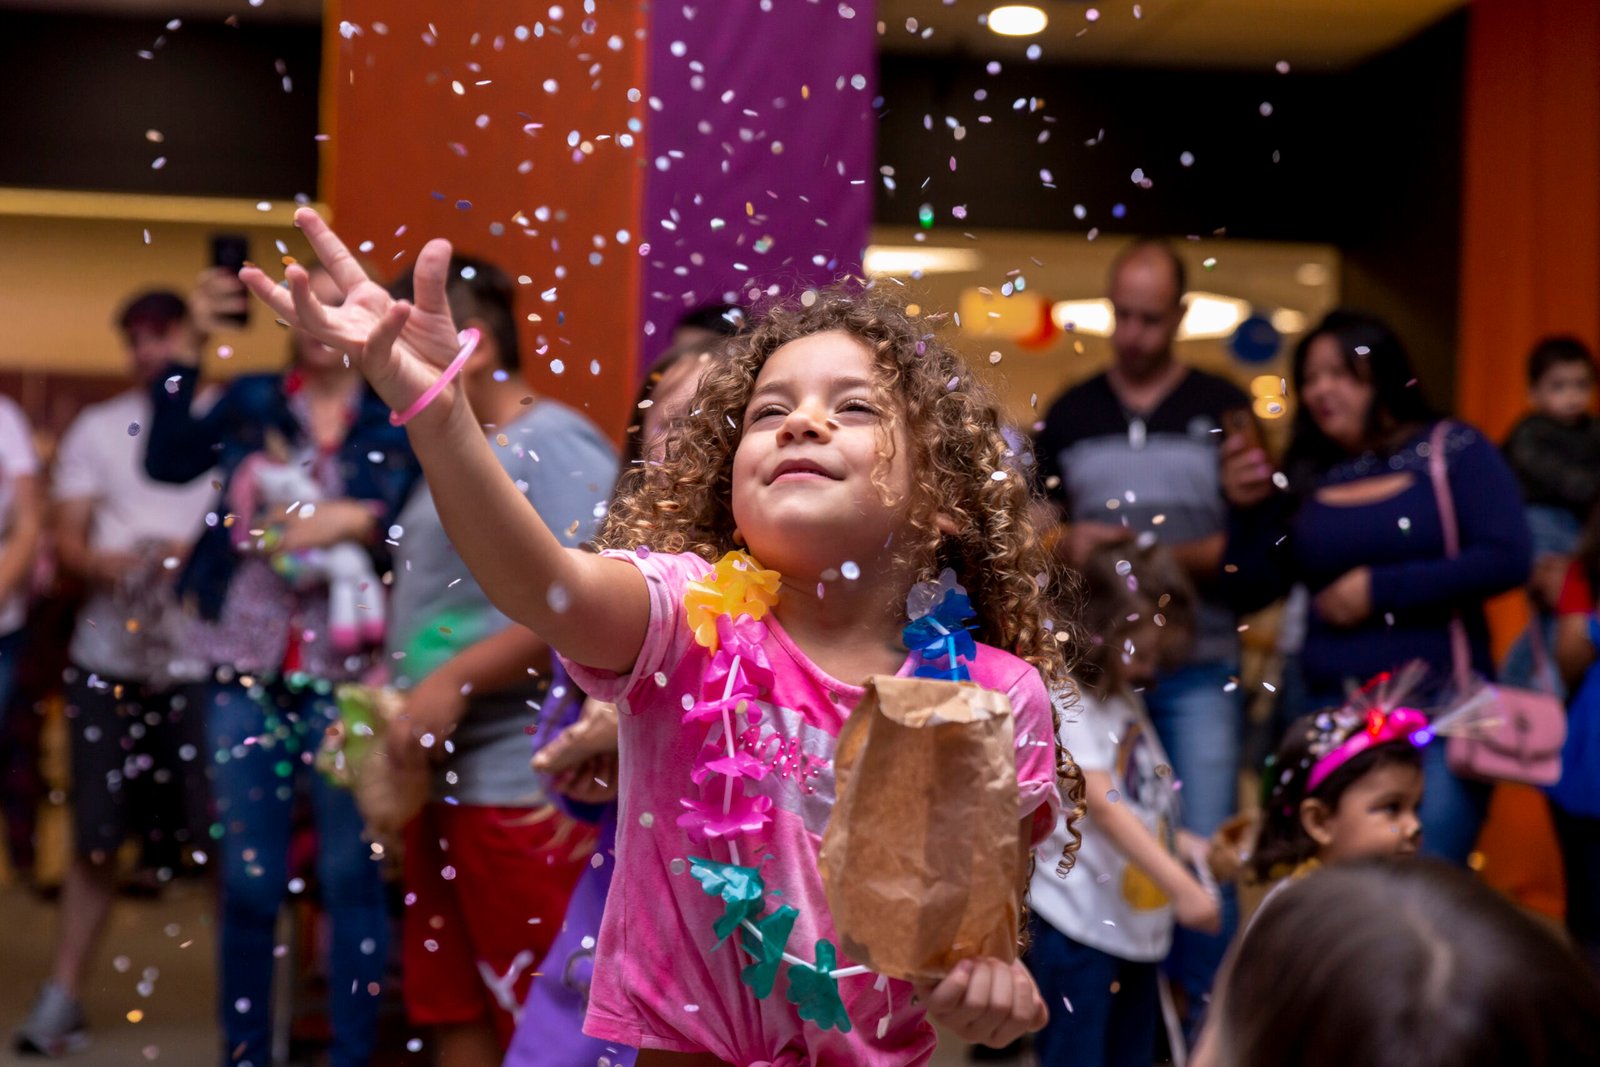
[[854, 456]]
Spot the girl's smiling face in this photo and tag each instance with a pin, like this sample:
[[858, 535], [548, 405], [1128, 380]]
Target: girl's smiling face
[[822, 472]]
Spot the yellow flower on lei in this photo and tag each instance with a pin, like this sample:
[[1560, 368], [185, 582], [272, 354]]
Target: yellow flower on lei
[[738, 586]]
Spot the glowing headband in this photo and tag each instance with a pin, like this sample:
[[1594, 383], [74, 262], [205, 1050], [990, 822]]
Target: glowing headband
[[1401, 724]]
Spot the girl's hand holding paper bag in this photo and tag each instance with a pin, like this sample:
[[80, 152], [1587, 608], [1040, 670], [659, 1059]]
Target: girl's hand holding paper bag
[[924, 862], [986, 1001]]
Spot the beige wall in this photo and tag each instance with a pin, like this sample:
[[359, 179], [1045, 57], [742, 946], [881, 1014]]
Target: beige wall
[[69, 260], [1071, 267]]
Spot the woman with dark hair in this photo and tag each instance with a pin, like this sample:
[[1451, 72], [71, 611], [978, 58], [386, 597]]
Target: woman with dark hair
[[1355, 517], [1400, 963], [264, 629]]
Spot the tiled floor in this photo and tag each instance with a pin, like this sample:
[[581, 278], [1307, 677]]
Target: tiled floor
[[167, 942]]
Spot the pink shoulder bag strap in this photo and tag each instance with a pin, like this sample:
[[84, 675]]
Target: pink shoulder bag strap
[[1524, 743], [1460, 648]]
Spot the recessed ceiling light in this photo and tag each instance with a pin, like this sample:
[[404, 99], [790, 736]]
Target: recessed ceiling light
[[1017, 20], [910, 259]]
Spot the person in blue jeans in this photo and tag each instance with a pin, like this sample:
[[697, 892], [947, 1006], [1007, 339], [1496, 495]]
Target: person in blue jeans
[[1359, 525], [265, 632], [1132, 455]]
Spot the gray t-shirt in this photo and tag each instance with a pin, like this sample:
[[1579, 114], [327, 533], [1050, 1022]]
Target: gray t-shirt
[[565, 467]]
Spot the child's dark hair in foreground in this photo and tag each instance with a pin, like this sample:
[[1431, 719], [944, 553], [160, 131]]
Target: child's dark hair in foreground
[[1401, 963]]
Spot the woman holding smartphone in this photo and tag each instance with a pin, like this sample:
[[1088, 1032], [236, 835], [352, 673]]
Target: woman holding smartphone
[[273, 659]]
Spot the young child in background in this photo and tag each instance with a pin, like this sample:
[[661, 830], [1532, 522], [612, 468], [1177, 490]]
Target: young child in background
[[1555, 454], [856, 456], [579, 755], [1099, 936], [1555, 449], [1400, 964], [1345, 783]]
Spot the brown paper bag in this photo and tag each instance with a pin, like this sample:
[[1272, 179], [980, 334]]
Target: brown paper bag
[[921, 860]]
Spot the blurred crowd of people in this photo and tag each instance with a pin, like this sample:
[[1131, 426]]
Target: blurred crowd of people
[[252, 558]]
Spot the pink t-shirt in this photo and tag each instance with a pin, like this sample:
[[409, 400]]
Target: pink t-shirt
[[659, 980]]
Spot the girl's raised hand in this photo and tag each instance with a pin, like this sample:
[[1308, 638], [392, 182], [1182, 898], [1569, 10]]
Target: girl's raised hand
[[399, 347]]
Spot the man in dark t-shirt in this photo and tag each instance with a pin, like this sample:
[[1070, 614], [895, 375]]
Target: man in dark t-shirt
[[1133, 453]]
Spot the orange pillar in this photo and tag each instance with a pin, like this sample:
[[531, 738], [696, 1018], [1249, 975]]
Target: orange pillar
[[1530, 237], [514, 135], [1530, 243]]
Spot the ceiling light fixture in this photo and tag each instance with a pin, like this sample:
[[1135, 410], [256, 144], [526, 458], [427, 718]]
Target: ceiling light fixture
[[1017, 20], [905, 260], [1089, 317], [1209, 316], [1212, 315]]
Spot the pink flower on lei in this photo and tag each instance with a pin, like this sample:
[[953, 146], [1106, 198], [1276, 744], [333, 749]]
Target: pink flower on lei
[[711, 710], [739, 640], [739, 765], [706, 820]]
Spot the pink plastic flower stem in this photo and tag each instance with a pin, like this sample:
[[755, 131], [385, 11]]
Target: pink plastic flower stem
[[469, 344]]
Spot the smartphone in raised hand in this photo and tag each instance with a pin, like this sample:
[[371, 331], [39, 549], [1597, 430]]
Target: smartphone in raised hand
[[1240, 422], [230, 251]]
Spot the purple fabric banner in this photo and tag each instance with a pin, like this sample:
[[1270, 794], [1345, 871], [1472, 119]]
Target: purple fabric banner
[[760, 143]]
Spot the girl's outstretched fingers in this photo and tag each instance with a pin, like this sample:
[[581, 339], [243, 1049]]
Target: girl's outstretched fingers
[[310, 315], [431, 277], [377, 354], [331, 252], [270, 293]]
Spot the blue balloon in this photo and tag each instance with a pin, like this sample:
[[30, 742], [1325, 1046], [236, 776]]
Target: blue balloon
[[1256, 340]]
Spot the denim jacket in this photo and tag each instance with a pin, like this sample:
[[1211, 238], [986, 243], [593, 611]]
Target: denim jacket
[[374, 461]]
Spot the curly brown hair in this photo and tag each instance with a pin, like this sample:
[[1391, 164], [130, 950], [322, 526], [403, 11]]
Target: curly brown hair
[[962, 467]]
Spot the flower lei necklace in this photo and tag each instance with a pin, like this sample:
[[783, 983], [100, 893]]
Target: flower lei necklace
[[724, 611]]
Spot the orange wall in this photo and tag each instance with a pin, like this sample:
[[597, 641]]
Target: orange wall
[[1530, 243], [1531, 194], [440, 120], [1530, 228]]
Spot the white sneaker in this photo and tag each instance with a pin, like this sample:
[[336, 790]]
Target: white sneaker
[[54, 1027]]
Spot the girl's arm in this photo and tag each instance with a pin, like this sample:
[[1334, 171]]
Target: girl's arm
[[1191, 904], [593, 609]]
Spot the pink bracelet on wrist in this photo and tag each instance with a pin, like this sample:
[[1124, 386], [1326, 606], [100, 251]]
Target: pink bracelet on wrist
[[469, 344]]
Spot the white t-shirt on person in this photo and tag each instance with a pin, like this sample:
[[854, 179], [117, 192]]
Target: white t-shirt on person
[[17, 460], [101, 460], [1106, 902]]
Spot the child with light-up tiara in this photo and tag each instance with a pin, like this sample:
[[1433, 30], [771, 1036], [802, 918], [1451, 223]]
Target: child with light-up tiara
[[1345, 783], [855, 457]]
